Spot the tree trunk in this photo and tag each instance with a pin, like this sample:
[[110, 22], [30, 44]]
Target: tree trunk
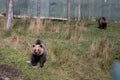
[[9, 14], [79, 10], [38, 8], [69, 10]]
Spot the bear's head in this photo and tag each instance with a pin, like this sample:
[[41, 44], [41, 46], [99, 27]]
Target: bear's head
[[38, 49]]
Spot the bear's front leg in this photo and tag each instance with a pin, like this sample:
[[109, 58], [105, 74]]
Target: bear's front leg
[[42, 60], [34, 59]]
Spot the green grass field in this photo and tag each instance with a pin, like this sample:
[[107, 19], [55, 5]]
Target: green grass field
[[75, 52]]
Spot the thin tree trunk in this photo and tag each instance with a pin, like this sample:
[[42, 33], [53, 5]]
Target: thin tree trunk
[[79, 10], [9, 14], [38, 8], [69, 10]]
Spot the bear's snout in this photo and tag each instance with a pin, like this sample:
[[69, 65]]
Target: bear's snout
[[37, 50]]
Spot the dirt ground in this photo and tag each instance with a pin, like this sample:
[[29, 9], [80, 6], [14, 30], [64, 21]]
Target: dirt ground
[[8, 72]]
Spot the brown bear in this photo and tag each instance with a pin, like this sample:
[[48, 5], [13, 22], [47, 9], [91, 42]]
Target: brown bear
[[38, 53], [102, 23]]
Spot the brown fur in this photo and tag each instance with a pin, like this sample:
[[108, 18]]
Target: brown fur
[[38, 53], [38, 49]]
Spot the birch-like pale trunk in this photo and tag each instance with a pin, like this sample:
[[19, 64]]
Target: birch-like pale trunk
[[79, 10], [69, 10], [38, 8], [9, 14]]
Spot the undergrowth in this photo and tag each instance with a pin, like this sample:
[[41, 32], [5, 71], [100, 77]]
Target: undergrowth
[[75, 52]]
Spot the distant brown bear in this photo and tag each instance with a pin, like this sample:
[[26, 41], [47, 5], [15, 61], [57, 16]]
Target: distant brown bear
[[38, 53], [102, 23]]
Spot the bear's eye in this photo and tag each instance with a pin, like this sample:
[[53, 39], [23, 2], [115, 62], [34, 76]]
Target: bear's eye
[[33, 45], [41, 46]]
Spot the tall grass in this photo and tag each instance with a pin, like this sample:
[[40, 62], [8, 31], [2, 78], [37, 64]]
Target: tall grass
[[36, 26]]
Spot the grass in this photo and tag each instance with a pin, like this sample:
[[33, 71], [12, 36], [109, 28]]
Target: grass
[[75, 52]]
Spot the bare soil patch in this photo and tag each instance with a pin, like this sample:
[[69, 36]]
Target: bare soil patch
[[9, 71]]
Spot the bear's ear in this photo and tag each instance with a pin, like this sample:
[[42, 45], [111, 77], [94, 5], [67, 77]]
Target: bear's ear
[[33, 45]]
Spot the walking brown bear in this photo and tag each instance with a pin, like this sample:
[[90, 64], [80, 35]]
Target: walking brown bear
[[38, 53], [102, 23]]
